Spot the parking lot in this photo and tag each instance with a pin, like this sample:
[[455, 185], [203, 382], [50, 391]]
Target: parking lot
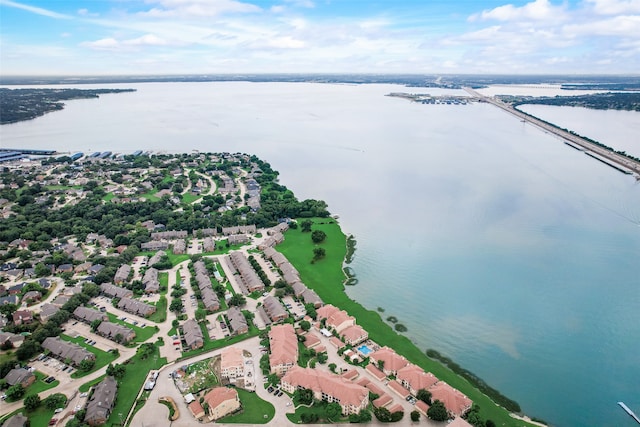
[[296, 309]]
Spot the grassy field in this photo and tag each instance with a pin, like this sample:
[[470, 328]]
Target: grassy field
[[163, 278], [189, 198], [103, 358], [254, 410], [39, 385], [161, 310], [142, 334], [326, 278], [130, 385]]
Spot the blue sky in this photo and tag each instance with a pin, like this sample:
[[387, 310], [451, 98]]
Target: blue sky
[[108, 37]]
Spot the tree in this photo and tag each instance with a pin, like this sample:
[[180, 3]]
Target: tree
[[95, 324], [322, 358], [305, 325], [31, 402], [332, 367], [27, 349], [86, 365], [415, 416], [200, 314], [424, 395], [237, 300], [55, 401], [333, 410], [117, 371], [318, 236], [305, 396], [437, 411], [305, 226], [15, 392], [176, 306], [319, 253]]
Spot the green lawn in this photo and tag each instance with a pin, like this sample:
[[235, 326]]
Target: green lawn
[[86, 386], [319, 409], [326, 278], [151, 196], [103, 358], [134, 379], [142, 334], [160, 314], [40, 417], [39, 385], [254, 410], [189, 198], [177, 259], [163, 278], [108, 197]]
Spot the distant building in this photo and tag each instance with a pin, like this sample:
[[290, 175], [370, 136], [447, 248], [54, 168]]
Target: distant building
[[192, 334]]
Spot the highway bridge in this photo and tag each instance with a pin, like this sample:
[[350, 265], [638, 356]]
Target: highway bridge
[[611, 158]]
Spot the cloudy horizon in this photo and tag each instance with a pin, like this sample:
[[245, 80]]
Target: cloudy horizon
[[116, 37]]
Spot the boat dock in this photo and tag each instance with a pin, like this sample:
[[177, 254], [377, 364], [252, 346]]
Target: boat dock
[[629, 411]]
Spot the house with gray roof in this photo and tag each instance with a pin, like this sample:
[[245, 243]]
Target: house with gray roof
[[114, 291], [101, 402], [112, 330], [156, 258], [154, 245], [192, 334], [21, 376], [122, 274], [89, 315], [47, 310], [274, 309], [150, 281], [136, 307], [64, 350], [18, 420], [237, 321]]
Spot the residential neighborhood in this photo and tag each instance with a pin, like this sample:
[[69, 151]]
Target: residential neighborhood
[[217, 318]]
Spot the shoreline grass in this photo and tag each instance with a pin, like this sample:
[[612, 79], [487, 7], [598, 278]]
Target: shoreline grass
[[326, 277]]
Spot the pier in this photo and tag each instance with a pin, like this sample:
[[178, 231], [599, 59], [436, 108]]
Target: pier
[[629, 411], [611, 158]]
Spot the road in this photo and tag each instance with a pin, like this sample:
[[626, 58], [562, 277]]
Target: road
[[623, 162]]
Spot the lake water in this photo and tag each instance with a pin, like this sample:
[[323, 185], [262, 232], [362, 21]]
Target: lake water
[[492, 241]]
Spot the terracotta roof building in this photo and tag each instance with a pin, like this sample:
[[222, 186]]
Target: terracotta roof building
[[456, 403], [414, 378], [335, 318], [231, 363], [222, 401], [328, 387], [284, 348], [354, 335], [391, 360]]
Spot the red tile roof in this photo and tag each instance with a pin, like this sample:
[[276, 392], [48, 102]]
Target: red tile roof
[[375, 372], [397, 387], [455, 402], [382, 401]]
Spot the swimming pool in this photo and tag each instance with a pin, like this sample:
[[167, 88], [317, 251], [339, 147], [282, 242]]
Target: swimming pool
[[364, 350]]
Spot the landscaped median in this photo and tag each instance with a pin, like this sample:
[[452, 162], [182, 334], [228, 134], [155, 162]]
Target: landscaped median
[[326, 277]]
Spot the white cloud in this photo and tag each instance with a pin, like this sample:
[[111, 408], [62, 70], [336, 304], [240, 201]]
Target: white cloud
[[108, 43], [34, 9], [85, 12], [623, 26], [197, 8], [279, 42], [615, 7], [537, 10]]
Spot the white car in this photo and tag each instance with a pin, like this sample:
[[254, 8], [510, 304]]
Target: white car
[[57, 411]]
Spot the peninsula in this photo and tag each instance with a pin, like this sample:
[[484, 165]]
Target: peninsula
[[194, 287], [25, 104]]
